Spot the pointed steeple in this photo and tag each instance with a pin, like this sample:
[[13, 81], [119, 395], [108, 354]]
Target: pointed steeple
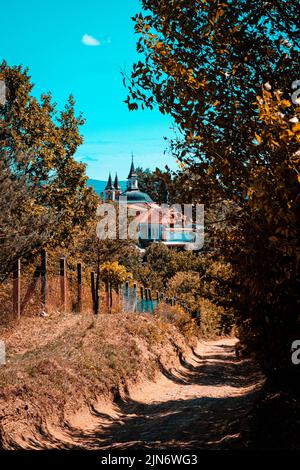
[[132, 172], [132, 183], [109, 183], [116, 183]]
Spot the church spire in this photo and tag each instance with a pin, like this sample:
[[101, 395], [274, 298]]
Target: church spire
[[110, 192], [116, 183], [118, 189], [109, 183], [132, 172], [132, 183]]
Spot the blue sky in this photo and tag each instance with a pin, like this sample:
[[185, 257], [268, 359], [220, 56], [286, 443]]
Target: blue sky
[[47, 37]]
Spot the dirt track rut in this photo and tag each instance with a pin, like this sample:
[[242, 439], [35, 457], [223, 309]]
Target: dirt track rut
[[202, 404]]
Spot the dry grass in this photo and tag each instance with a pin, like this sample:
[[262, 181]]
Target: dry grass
[[178, 317], [58, 363], [31, 304]]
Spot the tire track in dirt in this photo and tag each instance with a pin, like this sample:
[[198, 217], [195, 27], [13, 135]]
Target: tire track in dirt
[[201, 404]]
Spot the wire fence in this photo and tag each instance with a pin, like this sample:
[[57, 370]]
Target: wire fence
[[78, 290]]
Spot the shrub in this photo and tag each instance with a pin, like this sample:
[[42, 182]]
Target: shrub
[[215, 320], [178, 317]]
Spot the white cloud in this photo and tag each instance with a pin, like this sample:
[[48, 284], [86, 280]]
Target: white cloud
[[88, 40]]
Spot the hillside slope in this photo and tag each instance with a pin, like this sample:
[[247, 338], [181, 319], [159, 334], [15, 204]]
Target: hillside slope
[[61, 364]]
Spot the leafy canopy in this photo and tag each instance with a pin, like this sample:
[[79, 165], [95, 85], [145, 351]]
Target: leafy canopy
[[224, 71], [39, 144]]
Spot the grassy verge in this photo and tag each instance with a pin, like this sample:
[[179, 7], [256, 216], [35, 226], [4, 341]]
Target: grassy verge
[[59, 363]]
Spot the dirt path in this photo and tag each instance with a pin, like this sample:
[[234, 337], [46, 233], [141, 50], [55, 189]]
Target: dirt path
[[202, 404]]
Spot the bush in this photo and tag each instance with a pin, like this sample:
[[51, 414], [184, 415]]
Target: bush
[[179, 318], [215, 320]]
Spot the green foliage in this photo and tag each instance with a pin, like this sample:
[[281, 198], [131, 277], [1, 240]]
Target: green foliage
[[211, 66], [114, 274], [40, 144], [178, 317], [204, 63], [92, 251], [158, 184], [165, 262], [186, 287], [167, 187], [22, 231], [215, 320]]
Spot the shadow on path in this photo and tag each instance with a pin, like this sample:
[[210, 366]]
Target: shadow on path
[[203, 404]]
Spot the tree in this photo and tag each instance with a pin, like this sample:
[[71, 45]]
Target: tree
[[165, 187], [205, 62], [157, 184], [113, 274], [93, 250], [186, 287], [163, 263], [21, 230], [40, 144]]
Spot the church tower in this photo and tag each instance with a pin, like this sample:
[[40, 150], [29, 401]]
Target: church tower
[[132, 180], [117, 187], [110, 192]]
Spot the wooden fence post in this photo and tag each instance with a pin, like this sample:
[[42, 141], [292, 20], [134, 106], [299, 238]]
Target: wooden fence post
[[79, 287], [97, 294], [142, 292], [134, 297], [63, 283], [119, 292], [93, 288], [107, 294], [44, 279], [17, 289]]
